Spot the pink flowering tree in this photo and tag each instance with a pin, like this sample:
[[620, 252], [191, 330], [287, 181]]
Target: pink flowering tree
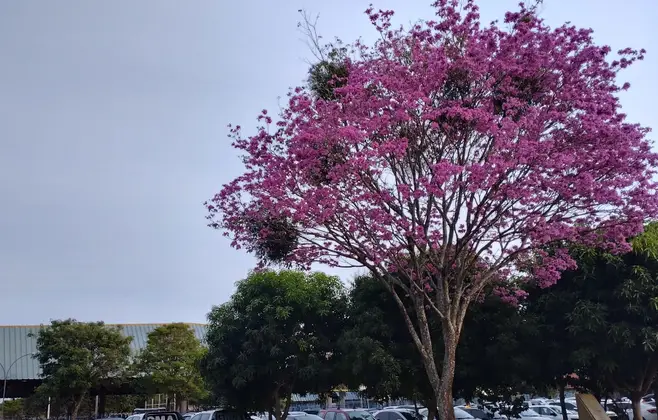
[[445, 158]]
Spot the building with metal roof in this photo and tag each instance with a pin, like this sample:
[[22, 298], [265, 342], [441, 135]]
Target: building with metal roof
[[23, 371]]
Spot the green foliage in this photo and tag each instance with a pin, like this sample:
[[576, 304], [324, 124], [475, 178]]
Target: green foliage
[[377, 348], [495, 356], [601, 320], [274, 337], [13, 408], [378, 351], [328, 74], [123, 403], [170, 362], [76, 357]]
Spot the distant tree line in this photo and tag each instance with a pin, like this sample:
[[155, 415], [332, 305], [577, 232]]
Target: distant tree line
[[82, 359]]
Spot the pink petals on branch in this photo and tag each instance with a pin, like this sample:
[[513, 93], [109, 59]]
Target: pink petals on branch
[[495, 142]]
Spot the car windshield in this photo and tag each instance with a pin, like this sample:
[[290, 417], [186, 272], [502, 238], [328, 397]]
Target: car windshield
[[359, 415], [461, 414], [478, 414], [529, 413]]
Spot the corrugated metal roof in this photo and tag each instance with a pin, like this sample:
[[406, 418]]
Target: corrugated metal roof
[[305, 398], [16, 346]]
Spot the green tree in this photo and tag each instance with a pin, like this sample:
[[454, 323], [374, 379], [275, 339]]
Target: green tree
[[77, 356], [123, 403], [604, 318], [170, 363], [275, 336], [13, 408], [378, 351]]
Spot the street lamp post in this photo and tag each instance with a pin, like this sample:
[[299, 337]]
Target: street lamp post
[[5, 372]]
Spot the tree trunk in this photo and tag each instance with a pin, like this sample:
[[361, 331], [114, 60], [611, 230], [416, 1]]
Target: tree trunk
[[277, 405], [637, 408], [562, 406], [76, 407], [431, 409], [286, 407], [445, 396]]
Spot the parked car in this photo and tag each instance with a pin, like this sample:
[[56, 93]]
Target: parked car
[[459, 413], [494, 411], [623, 409], [648, 411], [553, 412], [531, 415], [220, 415], [476, 413], [567, 404], [300, 415], [398, 414], [188, 416], [345, 414]]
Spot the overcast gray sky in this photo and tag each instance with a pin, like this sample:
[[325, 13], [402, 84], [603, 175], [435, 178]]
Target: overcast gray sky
[[113, 119]]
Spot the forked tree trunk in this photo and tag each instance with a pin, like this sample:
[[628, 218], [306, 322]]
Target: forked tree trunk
[[636, 399], [281, 410], [442, 382], [76, 407]]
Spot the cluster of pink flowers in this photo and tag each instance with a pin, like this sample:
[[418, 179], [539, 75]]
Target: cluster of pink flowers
[[495, 143]]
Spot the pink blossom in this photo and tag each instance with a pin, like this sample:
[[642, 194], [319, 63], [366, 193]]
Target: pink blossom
[[463, 147]]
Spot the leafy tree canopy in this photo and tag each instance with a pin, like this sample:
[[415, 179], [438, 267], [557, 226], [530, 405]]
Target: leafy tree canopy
[[78, 356], [600, 321], [274, 337], [13, 408], [494, 357], [170, 362]]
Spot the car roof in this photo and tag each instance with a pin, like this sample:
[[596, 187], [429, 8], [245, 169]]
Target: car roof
[[344, 409]]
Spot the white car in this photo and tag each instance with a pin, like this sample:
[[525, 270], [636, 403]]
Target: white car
[[459, 414], [398, 414], [531, 415], [648, 411], [567, 404], [554, 412]]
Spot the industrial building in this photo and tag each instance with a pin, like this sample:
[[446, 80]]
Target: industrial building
[[22, 372]]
